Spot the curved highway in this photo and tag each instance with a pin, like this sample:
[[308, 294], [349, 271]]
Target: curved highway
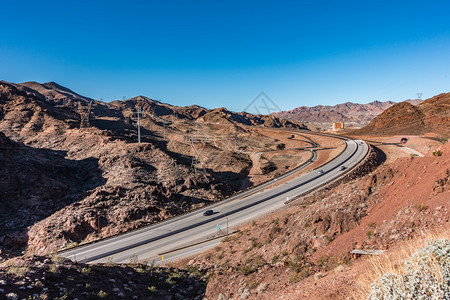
[[192, 233]]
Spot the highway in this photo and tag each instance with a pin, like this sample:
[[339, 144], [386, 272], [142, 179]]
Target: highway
[[192, 233]]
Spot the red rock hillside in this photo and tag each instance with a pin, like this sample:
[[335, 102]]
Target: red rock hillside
[[432, 115]]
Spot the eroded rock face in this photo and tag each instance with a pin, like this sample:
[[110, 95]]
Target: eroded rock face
[[36, 182]]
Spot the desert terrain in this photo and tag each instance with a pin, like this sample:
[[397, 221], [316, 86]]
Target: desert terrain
[[66, 182]]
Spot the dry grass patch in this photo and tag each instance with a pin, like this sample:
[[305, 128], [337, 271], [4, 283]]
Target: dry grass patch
[[18, 271], [418, 270]]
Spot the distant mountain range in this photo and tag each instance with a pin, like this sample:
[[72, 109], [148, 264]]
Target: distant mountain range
[[358, 114]]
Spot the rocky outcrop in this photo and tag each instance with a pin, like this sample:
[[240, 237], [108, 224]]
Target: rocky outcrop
[[224, 116]]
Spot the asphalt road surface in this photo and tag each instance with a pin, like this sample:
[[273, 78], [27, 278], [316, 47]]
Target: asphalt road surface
[[192, 233]]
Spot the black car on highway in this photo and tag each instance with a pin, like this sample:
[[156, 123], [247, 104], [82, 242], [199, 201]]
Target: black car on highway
[[208, 212]]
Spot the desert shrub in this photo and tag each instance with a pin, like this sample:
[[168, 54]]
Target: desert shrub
[[18, 271], [72, 245], [443, 139], [141, 270], [194, 270], [102, 294], [372, 225], [437, 153], [175, 274], [425, 275], [302, 268], [252, 264], [55, 258], [109, 262], [256, 243], [85, 271], [281, 146], [134, 259], [296, 277], [152, 290], [275, 259], [53, 269], [420, 207], [268, 167], [325, 261]]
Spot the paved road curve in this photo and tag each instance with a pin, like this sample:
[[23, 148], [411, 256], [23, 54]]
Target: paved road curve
[[174, 238]]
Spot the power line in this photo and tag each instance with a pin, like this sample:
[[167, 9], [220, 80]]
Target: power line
[[139, 113], [84, 112]]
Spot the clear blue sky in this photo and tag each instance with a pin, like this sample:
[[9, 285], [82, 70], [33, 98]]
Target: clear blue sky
[[223, 53]]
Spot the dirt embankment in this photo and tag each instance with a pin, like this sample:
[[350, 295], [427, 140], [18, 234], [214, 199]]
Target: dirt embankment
[[306, 249]]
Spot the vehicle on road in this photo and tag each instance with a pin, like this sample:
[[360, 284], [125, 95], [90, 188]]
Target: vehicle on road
[[342, 168], [320, 171], [208, 212]]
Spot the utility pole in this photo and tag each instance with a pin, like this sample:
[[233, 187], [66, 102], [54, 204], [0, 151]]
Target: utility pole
[[227, 225], [164, 130], [85, 113], [235, 137], [139, 113], [139, 125]]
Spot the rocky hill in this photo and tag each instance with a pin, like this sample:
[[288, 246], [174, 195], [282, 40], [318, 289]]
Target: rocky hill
[[222, 115], [430, 116], [63, 185], [347, 112]]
